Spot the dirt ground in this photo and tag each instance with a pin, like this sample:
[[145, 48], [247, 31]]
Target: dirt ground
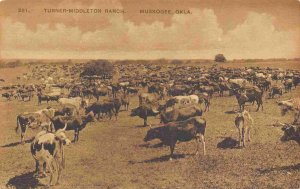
[[112, 154]]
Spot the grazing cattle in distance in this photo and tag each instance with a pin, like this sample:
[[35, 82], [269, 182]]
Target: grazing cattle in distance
[[7, 96], [241, 123], [131, 90], [144, 112], [125, 101], [291, 132], [177, 90], [180, 114], [76, 123], [275, 90], [288, 84], [170, 133], [47, 150], [148, 98]]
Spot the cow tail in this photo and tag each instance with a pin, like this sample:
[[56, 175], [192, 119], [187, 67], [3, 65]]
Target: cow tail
[[18, 124]]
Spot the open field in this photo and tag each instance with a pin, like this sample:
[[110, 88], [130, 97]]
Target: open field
[[112, 154]]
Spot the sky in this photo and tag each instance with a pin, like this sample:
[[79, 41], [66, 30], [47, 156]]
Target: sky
[[236, 28]]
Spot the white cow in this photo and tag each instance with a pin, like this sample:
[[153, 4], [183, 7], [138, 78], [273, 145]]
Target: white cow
[[78, 102], [185, 100]]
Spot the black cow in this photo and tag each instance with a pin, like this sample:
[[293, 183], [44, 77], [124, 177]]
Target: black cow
[[291, 132], [101, 108], [275, 90], [144, 111], [169, 134], [23, 122], [76, 123]]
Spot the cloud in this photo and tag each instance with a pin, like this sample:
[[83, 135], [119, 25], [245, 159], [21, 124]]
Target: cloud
[[188, 36]]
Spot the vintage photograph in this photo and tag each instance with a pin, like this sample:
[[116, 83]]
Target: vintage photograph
[[158, 94]]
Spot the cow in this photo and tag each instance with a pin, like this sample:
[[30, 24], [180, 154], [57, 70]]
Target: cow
[[249, 95], [76, 101], [107, 107], [204, 98], [23, 122], [144, 111], [67, 110], [292, 105], [42, 98], [76, 123], [182, 100], [241, 123], [291, 132], [36, 119], [100, 92], [275, 90], [180, 114], [288, 83], [148, 98], [125, 101], [47, 149], [170, 133], [7, 96]]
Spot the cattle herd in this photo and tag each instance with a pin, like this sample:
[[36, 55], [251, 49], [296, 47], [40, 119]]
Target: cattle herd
[[179, 96]]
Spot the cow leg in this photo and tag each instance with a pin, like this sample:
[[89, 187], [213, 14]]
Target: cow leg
[[243, 136], [240, 136], [197, 143], [76, 132], [23, 133], [49, 164], [248, 133], [145, 121], [203, 143], [172, 147]]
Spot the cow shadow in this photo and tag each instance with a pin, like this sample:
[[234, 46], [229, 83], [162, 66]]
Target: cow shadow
[[288, 168], [160, 159], [17, 143], [231, 112], [141, 126], [23, 181], [228, 143], [147, 145]]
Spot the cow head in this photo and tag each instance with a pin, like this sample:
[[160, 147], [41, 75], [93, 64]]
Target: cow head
[[285, 107], [135, 112], [89, 117], [152, 134], [61, 136], [290, 132]]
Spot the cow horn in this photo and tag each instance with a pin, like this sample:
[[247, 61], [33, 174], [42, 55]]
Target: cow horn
[[65, 127]]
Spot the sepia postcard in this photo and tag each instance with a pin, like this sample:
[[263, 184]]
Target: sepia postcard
[[130, 94]]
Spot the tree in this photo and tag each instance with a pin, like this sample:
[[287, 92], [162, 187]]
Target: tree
[[101, 68], [220, 58]]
